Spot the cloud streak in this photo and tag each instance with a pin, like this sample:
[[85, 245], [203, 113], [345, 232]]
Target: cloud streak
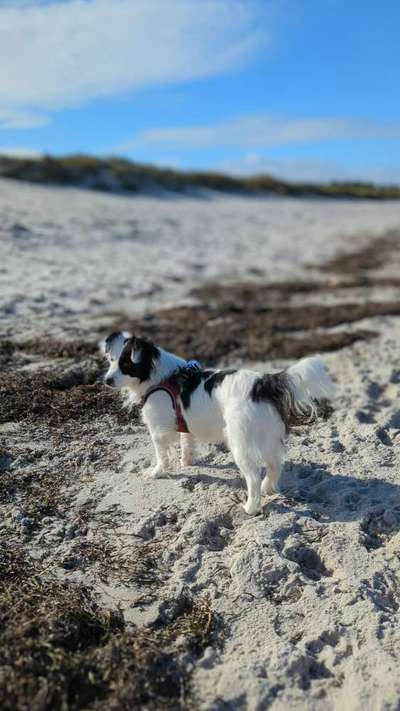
[[57, 55], [19, 152], [21, 119], [263, 131]]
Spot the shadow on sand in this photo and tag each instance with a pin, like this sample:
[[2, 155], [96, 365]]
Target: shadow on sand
[[312, 490], [336, 497]]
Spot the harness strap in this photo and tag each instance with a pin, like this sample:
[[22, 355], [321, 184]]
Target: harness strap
[[181, 425]]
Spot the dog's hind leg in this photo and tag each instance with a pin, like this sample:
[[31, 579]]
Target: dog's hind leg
[[270, 484], [247, 462], [253, 503], [252, 477], [186, 449]]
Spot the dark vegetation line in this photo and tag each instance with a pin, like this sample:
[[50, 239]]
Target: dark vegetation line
[[120, 175]]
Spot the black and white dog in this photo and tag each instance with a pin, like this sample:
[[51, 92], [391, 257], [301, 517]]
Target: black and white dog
[[251, 412]]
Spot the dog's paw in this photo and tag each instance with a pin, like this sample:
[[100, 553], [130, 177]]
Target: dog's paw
[[268, 488], [252, 508], [156, 472]]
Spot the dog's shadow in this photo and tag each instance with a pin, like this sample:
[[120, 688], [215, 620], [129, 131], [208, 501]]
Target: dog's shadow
[[210, 465], [336, 497], [190, 478], [312, 490]]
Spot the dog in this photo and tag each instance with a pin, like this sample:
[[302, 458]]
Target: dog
[[251, 412]]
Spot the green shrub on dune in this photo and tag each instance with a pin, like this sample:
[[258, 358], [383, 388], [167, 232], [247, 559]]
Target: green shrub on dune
[[121, 175]]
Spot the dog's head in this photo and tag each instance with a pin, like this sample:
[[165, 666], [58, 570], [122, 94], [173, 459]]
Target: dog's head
[[131, 360]]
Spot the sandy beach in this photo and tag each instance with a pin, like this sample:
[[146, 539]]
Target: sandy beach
[[298, 607]]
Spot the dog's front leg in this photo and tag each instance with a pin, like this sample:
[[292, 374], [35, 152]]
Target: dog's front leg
[[159, 416], [186, 449], [161, 444]]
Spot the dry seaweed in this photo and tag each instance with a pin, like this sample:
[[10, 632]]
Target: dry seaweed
[[78, 349], [139, 563], [373, 256], [266, 294], [60, 649], [49, 348], [44, 396], [215, 334], [44, 488]]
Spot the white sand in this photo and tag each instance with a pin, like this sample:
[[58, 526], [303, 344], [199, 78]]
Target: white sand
[[310, 612]]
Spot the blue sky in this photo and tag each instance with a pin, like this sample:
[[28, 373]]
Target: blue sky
[[303, 89]]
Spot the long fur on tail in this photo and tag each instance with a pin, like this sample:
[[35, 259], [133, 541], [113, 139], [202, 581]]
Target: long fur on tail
[[301, 394], [310, 382]]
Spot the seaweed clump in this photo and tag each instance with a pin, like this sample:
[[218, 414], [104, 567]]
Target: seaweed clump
[[56, 395], [60, 649]]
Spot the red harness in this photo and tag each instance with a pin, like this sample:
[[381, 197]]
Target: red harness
[[173, 392]]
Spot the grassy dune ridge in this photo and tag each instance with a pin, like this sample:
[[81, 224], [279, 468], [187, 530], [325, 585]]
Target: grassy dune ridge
[[120, 175]]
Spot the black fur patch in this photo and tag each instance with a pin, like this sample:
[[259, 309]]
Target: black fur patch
[[276, 390], [216, 379], [149, 353], [187, 380]]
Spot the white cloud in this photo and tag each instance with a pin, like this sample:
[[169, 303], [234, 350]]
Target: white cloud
[[19, 152], [55, 55], [263, 130], [21, 119]]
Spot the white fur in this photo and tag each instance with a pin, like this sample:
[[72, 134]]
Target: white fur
[[310, 381], [254, 431]]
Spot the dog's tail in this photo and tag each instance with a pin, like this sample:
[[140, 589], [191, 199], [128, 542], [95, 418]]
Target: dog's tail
[[311, 388], [301, 394]]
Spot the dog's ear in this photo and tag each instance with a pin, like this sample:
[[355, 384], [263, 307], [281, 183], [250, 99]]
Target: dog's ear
[[136, 349], [114, 343], [143, 350]]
